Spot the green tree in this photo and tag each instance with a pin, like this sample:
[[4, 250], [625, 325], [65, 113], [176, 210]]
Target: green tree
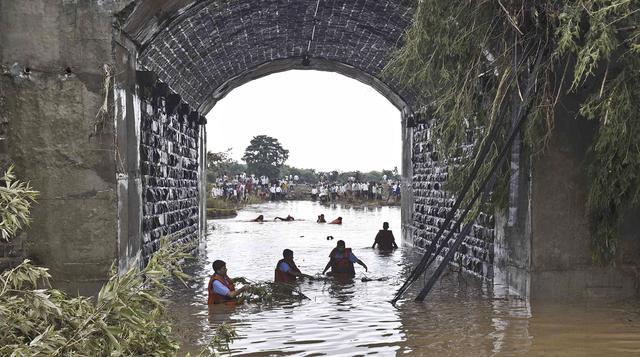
[[221, 163], [265, 156]]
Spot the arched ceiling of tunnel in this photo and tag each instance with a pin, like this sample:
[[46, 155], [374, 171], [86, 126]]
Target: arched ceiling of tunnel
[[204, 49]]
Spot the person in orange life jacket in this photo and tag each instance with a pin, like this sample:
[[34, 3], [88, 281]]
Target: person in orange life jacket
[[221, 288], [286, 269], [321, 219], [385, 239], [341, 260], [336, 221], [288, 219]]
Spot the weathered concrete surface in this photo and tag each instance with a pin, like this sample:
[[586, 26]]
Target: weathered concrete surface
[[512, 245], [127, 118], [406, 188], [547, 254], [561, 265], [52, 54]]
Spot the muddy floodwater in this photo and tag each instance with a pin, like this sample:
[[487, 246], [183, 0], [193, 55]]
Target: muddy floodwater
[[461, 317]]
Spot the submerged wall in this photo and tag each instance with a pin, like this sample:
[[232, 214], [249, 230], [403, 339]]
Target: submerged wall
[[169, 154], [431, 204]]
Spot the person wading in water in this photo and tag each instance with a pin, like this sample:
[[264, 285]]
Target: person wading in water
[[221, 288], [286, 270], [385, 239], [341, 261], [321, 219]]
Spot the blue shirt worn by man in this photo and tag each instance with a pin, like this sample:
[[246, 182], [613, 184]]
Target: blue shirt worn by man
[[284, 267], [220, 289]]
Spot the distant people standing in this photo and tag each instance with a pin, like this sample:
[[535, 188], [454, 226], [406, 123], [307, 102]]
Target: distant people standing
[[272, 192], [314, 193], [385, 239]]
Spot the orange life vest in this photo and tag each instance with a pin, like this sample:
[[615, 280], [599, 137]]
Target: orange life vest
[[342, 264], [217, 298], [284, 277]]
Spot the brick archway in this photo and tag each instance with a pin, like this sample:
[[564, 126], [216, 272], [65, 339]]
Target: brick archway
[[197, 52], [203, 50]]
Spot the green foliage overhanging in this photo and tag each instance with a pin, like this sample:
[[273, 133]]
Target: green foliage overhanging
[[468, 62]]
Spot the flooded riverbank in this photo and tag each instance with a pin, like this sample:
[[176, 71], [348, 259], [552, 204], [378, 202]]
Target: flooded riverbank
[[461, 316]]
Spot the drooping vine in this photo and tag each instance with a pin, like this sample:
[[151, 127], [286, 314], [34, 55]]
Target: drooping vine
[[467, 62]]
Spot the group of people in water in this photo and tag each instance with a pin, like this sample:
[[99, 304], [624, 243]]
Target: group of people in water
[[341, 264], [290, 218]]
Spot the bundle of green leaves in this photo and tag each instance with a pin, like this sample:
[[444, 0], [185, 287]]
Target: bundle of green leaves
[[126, 318]]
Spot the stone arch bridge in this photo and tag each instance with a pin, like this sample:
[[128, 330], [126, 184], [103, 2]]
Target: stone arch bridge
[[102, 107]]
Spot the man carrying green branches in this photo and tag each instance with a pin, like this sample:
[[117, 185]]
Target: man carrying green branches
[[221, 288]]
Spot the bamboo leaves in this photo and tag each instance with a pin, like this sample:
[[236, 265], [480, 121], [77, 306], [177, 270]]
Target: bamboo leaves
[[16, 198], [126, 319]]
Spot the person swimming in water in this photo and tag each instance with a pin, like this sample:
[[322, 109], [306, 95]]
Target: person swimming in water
[[321, 219], [260, 218], [336, 221], [287, 219]]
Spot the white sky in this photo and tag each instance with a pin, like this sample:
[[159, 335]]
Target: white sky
[[327, 121]]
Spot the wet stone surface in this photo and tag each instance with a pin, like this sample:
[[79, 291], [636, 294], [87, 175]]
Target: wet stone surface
[[169, 168], [432, 204]]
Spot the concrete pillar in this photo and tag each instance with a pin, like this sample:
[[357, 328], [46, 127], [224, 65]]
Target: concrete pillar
[[406, 191], [61, 134], [202, 161], [127, 123]]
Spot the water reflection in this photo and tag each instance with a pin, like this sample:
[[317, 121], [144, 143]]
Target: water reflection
[[351, 317]]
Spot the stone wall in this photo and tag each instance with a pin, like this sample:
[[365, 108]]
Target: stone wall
[[432, 203], [170, 180]]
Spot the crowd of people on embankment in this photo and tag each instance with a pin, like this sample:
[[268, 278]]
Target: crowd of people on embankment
[[385, 191], [239, 187]]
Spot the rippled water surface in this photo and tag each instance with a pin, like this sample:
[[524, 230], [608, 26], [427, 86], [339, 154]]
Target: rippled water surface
[[461, 316]]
